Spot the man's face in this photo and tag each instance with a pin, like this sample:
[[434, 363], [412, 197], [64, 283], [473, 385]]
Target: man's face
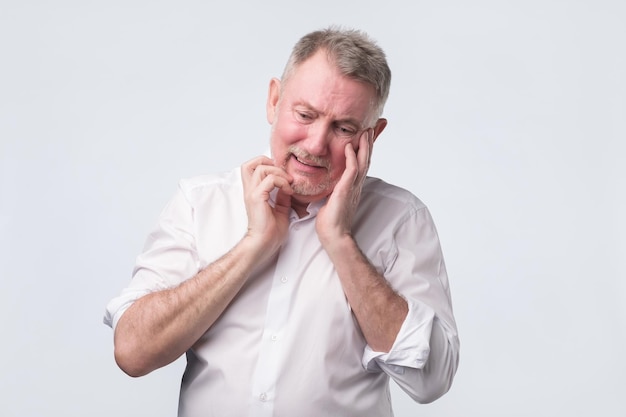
[[315, 115]]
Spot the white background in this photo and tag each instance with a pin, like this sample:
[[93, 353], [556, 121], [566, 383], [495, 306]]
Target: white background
[[507, 118]]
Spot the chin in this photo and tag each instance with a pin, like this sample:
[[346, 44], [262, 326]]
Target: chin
[[312, 192]]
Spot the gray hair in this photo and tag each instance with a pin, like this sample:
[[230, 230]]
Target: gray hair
[[353, 52]]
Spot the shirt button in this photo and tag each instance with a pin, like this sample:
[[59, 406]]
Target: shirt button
[[283, 279], [296, 226], [263, 396], [274, 338]]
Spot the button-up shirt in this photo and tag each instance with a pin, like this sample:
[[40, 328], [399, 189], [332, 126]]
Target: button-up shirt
[[288, 344]]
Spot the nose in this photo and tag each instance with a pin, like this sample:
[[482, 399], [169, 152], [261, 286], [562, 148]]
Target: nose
[[317, 140]]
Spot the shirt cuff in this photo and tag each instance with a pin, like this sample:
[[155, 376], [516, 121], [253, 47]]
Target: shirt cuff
[[120, 304], [412, 345]]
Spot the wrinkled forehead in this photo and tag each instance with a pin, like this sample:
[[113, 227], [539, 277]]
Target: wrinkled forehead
[[319, 83]]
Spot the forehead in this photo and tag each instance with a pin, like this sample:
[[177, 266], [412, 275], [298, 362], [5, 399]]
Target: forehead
[[317, 83]]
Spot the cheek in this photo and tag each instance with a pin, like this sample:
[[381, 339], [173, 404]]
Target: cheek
[[284, 135]]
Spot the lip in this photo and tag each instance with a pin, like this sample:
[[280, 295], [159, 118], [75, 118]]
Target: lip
[[305, 166]]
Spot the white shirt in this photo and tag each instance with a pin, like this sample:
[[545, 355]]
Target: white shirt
[[288, 344]]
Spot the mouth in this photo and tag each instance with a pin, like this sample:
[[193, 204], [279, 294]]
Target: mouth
[[308, 163]]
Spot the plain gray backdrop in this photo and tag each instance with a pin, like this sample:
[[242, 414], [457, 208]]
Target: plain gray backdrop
[[507, 118]]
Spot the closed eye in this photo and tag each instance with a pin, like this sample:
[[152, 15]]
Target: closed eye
[[345, 131], [303, 117]]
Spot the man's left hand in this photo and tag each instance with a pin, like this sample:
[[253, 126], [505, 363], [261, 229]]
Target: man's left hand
[[334, 220]]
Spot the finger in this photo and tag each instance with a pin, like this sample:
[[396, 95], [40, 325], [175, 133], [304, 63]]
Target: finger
[[271, 175], [283, 201], [365, 148], [269, 183], [370, 142], [250, 166], [257, 169], [352, 165]]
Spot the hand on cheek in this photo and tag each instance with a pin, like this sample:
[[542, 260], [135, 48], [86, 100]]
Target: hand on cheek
[[335, 218]]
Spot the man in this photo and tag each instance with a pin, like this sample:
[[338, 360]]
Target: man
[[297, 285]]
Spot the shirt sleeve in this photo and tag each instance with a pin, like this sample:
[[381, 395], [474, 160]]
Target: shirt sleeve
[[411, 347], [424, 357], [169, 257]]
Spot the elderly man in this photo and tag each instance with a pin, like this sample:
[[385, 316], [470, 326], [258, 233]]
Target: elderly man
[[296, 284]]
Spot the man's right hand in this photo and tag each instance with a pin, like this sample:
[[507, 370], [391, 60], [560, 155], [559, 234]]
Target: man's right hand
[[267, 225], [160, 326]]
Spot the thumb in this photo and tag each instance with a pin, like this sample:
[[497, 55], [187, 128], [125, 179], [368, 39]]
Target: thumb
[[283, 202]]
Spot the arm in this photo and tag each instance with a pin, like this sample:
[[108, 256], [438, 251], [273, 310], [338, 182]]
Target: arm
[[379, 311], [160, 326], [411, 337], [424, 357]]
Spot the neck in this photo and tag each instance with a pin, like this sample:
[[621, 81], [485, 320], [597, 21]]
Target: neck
[[300, 208]]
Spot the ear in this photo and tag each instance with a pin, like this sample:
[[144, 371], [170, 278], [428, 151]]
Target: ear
[[379, 127], [273, 97]]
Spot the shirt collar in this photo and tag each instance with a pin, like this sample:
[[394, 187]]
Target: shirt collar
[[313, 208]]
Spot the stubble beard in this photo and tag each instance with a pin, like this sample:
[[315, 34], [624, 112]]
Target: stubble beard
[[306, 188]]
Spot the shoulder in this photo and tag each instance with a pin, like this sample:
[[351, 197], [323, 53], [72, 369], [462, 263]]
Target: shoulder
[[201, 187], [388, 217], [385, 208], [378, 194]]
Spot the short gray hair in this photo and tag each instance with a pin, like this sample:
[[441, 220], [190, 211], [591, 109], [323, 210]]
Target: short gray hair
[[353, 52]]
